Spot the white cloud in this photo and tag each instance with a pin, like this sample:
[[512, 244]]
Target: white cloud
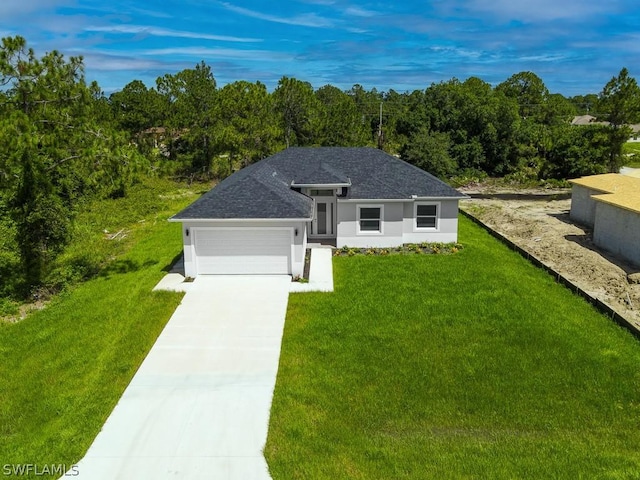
[[261, 55], [360, 12], [319, 2], [305, 20], [114, 63], [164, 32], [540, 10], [11, 8]]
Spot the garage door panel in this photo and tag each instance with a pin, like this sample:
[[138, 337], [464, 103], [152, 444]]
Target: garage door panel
[[243, 251]]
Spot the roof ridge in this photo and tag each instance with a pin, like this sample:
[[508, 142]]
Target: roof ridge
[[283, 190]]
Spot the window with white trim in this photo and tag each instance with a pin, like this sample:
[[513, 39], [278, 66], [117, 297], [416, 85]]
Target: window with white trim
[[370, 219], [426, 215]]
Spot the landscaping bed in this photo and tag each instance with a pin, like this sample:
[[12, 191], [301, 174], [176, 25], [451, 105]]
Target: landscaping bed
[[424, 248]]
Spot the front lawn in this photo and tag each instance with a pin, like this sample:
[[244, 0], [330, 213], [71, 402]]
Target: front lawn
[[63, 368], [472, 365], [632, 152]]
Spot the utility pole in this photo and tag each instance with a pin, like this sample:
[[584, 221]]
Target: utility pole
[[380, 139]]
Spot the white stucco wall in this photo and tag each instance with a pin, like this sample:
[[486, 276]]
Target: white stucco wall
[[347, 228], [618, 231], [583, 207], [398, 225], [447, 231], [298, 247]]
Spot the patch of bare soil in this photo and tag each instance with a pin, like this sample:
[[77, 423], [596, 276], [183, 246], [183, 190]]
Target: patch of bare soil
[[538, 221], [24, 311]]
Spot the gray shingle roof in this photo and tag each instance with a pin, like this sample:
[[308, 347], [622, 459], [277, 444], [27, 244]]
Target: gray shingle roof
[[263, 190]]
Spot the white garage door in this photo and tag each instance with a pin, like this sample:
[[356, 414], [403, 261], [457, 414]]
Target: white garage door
[[243, 251]]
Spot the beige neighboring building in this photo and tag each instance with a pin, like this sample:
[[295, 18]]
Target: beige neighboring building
[[610, 204]]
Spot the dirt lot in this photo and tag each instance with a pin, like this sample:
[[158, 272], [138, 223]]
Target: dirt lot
[[538, 221]]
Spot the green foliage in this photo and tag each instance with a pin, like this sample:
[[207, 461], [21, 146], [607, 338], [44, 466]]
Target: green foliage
[[65, 367], [341, 124], [298, 109], [584, 104], [467, 177], [430, 151], [248, 130], [620, 103], [577, 151], [80, 144], [42, 220], [481, 123], [421, 248], [631, 152], [191, 109], [529, 91], [8, 308], [105, 228], [517, 128], [619, 100], [136, 108], [54, 151]]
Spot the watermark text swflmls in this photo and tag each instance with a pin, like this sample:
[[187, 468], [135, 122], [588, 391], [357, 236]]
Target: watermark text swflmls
[[37, 470]]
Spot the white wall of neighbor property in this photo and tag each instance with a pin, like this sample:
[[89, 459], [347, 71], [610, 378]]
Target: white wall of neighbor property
[[447, 231], [398, 225], [298, 248], [618, 231], [583, 207]]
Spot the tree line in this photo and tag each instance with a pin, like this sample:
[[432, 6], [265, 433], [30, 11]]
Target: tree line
[[450, 128], [62, 140]]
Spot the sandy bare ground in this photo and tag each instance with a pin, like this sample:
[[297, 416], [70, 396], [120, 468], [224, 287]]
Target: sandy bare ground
[[538, 221]]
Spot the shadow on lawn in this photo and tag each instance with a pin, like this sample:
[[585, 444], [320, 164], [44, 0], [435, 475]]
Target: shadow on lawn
[[125, 266], [176, 265]]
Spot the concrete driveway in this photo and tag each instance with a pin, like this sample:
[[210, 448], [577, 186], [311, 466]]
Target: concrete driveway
[[198, 407]]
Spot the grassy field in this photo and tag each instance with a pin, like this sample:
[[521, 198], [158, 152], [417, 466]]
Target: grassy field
[[64, 368], [632, 149], [473, 365]]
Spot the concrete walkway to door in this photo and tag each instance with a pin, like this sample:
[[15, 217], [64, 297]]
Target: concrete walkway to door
[[198, 407]]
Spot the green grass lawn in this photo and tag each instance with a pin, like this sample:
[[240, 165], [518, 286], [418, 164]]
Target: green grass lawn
[[633, 150], [473, 365], [64, 368]]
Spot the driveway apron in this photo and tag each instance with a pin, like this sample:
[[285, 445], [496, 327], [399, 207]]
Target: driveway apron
[[198, 407]]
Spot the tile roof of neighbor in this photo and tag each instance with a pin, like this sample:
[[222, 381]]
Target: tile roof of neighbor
[[263, 190], [618, 190]]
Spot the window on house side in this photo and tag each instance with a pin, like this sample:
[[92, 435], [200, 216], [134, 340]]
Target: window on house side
[[370, 219], [427, 216]]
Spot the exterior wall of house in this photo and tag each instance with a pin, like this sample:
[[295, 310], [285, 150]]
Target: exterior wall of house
[[398, 224], [617, 230], [297, 249], [583, 207], [347, 228], [446, 231]]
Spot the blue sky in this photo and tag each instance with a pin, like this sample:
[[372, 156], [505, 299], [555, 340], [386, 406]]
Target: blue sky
[[575, 46]]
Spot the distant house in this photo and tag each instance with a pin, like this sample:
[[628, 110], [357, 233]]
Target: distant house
[[259, 219], [591, 120], [584, 120], [610, 204]]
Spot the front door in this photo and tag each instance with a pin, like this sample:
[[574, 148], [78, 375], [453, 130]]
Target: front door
[[323, 222]]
